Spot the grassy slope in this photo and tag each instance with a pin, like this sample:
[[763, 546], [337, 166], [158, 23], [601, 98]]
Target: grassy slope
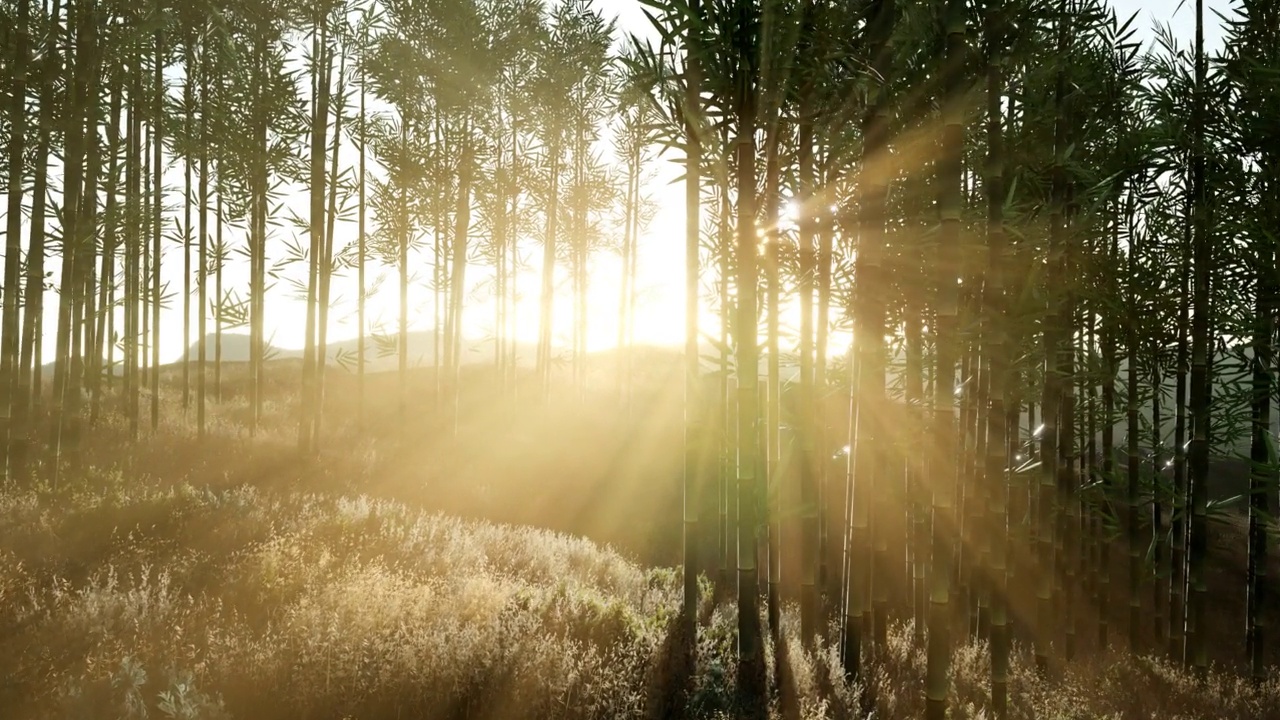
[[306, 605], [229, 579], [235, 603]]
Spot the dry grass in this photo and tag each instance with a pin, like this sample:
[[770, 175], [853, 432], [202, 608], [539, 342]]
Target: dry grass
[[191, 602], [308, 606], [230, 578]]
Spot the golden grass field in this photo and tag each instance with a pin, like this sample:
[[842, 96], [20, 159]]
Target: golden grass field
[[233, 579]]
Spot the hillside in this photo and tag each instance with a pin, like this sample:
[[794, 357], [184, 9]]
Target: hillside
[[123, 599], [449, 578], [240, 603], [381, 352]]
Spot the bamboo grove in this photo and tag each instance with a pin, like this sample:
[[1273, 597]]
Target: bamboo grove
[[141, 132], [1051, 245]]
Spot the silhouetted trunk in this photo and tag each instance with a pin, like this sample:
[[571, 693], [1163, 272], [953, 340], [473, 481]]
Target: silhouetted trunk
[[1179, 524], [9, 328], [1133, 498], [694, 432], [104, 343], [72, 238], [1158, 555], [28, 391], [188, 106], [362, 249], [157, 211], [402, 265], [950, 169], [996, 348], [866, 474], [1201, 381], [745, 329], [1111, 370], [546, 303], [132, 266], [319, 128], [804, 417], [1054, 339], [217, 293], [1261, 475], [326, 259], [202, 284], [462, 227]]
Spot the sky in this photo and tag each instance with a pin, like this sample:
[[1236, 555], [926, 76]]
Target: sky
[[661, 258]]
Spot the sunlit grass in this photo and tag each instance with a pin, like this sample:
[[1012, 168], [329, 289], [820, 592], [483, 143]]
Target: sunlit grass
[[318, 606], [228, 579]]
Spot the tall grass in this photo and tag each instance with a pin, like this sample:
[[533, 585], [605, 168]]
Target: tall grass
[[231, 579]]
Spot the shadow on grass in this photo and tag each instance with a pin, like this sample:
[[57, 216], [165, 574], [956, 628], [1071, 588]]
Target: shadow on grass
[[671, 677], [753, 680]]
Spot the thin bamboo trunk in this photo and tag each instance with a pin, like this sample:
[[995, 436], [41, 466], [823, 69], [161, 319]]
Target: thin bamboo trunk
[[694, 432], [319, 127], [866, 474], [157, 211], [402, 265], [219, 259], [1201, 379], [1051, 403], [104, 343], [28, 391], [73, 236], [362, 250], [775, 476], [326, 259], [725, 535], [1111, 370], [133, 238], [950, 170], [1178, 523], [9, 325], [750, 659], [202, 277], [461, 229], [547, 301], [1133, 498], [188, 106], [1158, 555], [809, 621], [996, 346], [1261, 476]]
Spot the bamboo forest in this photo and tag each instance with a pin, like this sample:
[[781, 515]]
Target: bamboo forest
[[487, 359]]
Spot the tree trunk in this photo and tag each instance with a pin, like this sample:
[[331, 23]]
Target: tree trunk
[[9, 346], [104, 343], [462, 227], [694, 434], [866, 459], [1132, 497], [1201, 380], [326, 259], [157, 210], [202, 284], [996, 348], [950, 170], [319, 129], [750, 658]]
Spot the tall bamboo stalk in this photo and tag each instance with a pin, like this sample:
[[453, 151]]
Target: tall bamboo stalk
[[950, 169], [693, 433]]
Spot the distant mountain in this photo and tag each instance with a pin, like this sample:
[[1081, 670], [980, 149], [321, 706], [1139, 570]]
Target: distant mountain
[[235, 348], [381, 353]]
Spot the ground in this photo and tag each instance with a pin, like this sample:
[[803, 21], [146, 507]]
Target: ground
[[231, 578]]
